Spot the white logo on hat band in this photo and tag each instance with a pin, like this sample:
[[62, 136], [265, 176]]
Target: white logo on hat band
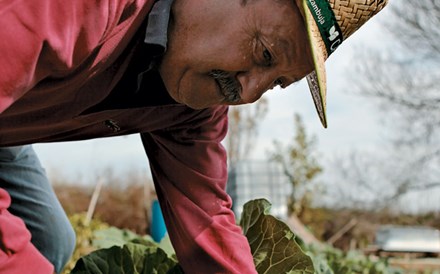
[[328, 26]]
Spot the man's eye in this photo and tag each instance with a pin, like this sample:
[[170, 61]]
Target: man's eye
[[267, 56]]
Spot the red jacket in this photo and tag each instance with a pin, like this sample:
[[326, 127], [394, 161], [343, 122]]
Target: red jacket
[[17, 254], [59, 62]]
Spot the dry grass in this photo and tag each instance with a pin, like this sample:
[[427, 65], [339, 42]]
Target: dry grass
[[121, 207]]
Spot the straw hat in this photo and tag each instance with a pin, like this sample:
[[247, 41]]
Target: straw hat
[[328, 23]]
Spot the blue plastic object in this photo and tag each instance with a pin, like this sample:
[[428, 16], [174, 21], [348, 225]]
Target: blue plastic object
[[158, 228]]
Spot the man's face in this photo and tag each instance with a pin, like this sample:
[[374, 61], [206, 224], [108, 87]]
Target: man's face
[[224, 52]]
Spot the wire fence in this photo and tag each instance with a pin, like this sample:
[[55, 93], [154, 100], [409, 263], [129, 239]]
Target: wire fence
[[250, 180]]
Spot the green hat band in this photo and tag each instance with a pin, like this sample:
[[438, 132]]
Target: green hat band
[[328, 26]]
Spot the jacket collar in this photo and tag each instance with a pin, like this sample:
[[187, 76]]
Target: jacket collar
[[156, 34]]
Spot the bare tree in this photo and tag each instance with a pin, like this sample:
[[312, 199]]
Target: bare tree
[[299, 162], [243, 129], [377, 181], [403, 78]]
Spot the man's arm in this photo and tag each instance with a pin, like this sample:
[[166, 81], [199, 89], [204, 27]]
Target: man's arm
[[49, 39], [190, 173], [17, 254]]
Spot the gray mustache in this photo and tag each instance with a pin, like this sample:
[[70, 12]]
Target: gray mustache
[[228, 85]]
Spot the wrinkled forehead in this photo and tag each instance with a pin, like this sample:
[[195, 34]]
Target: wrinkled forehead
[[284, 15]]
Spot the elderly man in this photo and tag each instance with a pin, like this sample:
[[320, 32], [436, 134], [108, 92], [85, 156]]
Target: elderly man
[[75, 70]]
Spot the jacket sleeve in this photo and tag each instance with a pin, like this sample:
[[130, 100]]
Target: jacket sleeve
[[190, 173], [48, 39], [17, 254]]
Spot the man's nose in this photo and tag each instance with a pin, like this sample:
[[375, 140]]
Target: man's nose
[[254, 84]]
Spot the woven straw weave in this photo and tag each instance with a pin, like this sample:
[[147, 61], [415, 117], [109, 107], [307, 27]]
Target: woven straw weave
[[352, 14]]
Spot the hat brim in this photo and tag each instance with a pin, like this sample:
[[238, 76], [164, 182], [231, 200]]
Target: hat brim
[[316, 79]]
